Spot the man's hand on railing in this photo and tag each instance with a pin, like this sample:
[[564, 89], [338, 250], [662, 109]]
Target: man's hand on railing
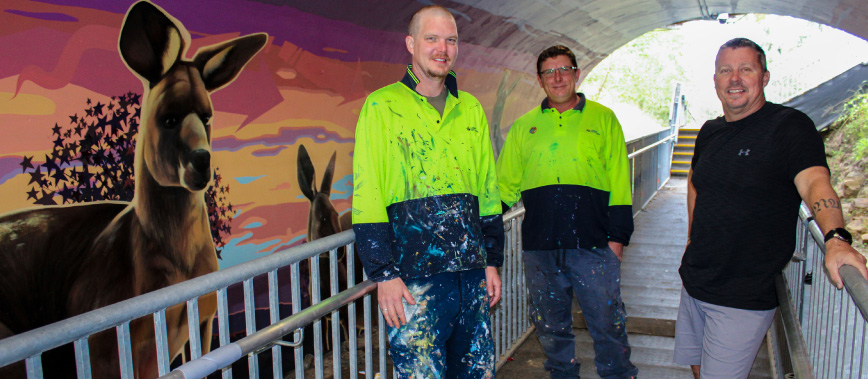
[[389, 295], [492, 282], [840, 253]]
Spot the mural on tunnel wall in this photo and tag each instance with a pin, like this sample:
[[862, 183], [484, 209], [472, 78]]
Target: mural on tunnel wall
[[70, 107], [61, 70]]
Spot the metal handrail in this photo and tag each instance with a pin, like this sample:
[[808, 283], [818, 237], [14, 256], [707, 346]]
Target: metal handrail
[[649, 147], [32, 343], [513, 213], [799, 357], [24, 345], [857, 286], [265, 338]]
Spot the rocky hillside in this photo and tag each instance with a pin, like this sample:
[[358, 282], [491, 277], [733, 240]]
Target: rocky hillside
[[848, 162]]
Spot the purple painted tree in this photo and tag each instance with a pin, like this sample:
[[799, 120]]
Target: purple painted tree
[[92, 160]]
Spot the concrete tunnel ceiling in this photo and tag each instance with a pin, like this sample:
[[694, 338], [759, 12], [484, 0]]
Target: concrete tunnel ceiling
[[511, 33]]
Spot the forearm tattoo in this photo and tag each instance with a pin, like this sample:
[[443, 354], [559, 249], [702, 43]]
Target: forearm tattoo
[[826, 204]]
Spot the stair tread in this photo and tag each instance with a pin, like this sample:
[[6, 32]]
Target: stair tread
[[652, 354]]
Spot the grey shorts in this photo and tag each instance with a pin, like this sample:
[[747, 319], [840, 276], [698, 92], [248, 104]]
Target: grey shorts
[[723, 340]]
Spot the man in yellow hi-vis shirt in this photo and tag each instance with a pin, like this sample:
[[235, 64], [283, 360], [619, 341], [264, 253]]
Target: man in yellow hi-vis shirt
[[566, 159], [426, 211]]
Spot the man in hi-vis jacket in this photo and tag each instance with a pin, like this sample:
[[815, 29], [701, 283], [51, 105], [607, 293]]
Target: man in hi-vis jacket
[[426, 211], [566, 159]]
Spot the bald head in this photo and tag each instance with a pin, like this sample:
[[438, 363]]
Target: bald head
[[431, 10]]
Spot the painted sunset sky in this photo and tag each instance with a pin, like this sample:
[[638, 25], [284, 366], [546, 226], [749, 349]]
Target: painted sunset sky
[[305, 87]]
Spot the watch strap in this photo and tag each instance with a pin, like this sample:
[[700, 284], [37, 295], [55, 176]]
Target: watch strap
[[840, 233]]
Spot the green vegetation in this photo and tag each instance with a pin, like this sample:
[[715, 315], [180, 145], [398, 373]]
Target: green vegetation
[[854, 125], [640, 73], [801, 55], [847, 151]]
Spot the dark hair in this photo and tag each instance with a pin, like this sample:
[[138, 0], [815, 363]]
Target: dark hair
[[744, 42], [552, 52]]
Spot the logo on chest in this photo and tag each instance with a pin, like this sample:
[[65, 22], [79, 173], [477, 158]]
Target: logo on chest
[[533, 130], [743, 152]]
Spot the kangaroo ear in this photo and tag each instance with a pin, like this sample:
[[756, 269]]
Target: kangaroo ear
[[305, 174], [326, 186], [221, 63], [151, 41]]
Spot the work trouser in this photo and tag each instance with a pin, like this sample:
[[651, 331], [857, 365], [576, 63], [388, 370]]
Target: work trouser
[[448, 330], [552, 277]]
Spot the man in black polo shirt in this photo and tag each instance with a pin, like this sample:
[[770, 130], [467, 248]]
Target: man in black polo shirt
[[750, 170]]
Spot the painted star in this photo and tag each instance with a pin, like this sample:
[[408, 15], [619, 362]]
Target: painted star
[[26, 163], [32, 194]]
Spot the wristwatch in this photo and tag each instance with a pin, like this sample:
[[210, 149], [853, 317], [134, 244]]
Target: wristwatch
[[839, 233]]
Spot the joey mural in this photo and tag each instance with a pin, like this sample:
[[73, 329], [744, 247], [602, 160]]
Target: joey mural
[[143, 144]]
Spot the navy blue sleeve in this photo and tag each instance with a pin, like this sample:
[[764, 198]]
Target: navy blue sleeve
[[620, 223], [376, 246], [492, 231]]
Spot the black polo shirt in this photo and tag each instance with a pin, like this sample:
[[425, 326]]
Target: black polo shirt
[[744, 219]]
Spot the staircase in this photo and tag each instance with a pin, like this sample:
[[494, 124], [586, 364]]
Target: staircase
[[683, 151]]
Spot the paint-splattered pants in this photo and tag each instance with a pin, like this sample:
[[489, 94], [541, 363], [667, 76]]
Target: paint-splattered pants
[[448, 331], [594, 276]]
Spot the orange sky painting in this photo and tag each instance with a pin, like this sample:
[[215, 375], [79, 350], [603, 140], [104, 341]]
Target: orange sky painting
[[295, 91]]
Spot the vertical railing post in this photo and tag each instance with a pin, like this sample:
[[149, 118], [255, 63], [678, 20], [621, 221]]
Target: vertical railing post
[[295, 273], [250, 324], [274, 315], [369, 344], [336, 319], [125, 354], [193, 328], [382, 336], [223, 324], [162, 342], [317, 325], [82, 358], [34, 367], [351, 312]]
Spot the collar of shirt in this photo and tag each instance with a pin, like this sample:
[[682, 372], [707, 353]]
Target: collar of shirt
[[410, 80], [579, 106]]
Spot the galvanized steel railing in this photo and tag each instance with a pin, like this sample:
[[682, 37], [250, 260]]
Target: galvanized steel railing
[[832, 322], [511, 325], [30, 345], [510, 321], [650, 159]]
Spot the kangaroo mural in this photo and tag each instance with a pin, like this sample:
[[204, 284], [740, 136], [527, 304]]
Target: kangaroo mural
[[61, 261], [322, 221]]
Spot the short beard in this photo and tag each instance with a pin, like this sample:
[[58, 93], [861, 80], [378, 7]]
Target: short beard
[[433, 75]]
